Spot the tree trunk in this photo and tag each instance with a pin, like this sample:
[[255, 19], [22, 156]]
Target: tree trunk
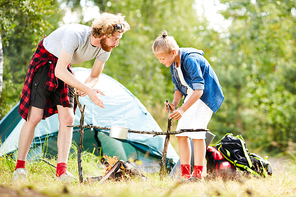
[[1, 66]]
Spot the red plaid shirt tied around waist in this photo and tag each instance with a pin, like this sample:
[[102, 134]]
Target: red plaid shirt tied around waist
[[40, 58]]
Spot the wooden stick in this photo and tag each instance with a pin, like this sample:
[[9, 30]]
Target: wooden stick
[[165, 150], [142, 132], [81, 138], [165, 146], [48, 163]]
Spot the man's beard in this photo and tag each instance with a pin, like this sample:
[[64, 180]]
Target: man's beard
[[104, 46]]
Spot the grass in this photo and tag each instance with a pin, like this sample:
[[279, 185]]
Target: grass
[[40, 182]]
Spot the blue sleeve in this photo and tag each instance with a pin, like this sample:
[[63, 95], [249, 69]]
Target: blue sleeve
[[193, 69]]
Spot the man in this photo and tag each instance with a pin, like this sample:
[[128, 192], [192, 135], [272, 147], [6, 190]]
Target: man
[[49, 84]]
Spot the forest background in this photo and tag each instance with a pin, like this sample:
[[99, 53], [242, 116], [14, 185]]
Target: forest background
[[254, 58]]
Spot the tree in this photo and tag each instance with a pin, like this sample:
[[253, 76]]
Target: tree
[[23, 23], [1, 66], [259, 48], [133, 62]]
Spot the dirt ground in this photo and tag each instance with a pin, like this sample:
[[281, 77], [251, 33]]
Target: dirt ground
[[27, 191]]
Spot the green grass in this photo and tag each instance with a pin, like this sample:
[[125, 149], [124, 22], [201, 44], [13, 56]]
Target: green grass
[[41, 182]]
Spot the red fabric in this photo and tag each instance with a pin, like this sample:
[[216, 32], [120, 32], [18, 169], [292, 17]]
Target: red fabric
[[216, 154], [20, 164], [40, 58], [61, 169], [185, 171], [225, 165], [197, 171]]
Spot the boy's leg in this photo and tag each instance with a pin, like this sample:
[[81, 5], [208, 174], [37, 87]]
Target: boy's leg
[[199, 157], [184, 151]]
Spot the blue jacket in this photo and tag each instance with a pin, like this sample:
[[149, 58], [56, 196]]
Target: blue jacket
[[199, 75]]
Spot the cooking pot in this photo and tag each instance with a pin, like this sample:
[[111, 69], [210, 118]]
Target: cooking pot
[[118, 132]]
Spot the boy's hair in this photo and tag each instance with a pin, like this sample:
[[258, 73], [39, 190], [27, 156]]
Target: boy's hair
[[107, 23], [164, 43]]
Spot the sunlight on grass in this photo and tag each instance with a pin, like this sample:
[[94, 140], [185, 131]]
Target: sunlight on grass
[[41, 179]]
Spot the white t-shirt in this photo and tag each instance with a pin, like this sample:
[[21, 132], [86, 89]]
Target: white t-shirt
[[196, 117], [74, 39], [183, 82]]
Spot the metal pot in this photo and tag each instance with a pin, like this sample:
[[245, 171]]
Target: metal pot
[[118, 132]]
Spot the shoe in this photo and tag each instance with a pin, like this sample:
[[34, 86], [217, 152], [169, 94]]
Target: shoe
[[195, 179], [66, 178], [19, 174]]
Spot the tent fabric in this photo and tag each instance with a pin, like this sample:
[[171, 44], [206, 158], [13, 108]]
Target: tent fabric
[[122, 108]]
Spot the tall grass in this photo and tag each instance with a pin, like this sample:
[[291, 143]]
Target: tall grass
[[41, 180]]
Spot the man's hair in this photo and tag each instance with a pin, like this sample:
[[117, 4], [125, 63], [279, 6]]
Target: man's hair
[[107, 23], [164, 43]]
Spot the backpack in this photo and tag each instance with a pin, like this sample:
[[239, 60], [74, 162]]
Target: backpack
[[217, 165], [234, 150]]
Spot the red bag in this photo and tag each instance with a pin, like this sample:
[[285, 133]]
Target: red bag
[[217, 165]]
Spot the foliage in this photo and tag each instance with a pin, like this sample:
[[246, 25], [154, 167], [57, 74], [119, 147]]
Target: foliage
[[29, 14], [254, 59], [133, 63], [257, 72], [24, 24]]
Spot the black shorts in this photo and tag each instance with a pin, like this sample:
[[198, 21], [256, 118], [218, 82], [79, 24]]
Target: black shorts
[[39, 95]]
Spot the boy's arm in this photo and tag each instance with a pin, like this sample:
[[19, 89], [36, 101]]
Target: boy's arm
[[180, 111]]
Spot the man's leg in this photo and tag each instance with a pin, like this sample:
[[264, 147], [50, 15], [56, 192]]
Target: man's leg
[[25, 140], [184, 151], [27, 132], [66, 118]]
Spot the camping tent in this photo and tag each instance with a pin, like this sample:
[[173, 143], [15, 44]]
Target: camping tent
[[122, 108]]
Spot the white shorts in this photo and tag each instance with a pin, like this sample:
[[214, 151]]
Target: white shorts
[[196, 117]]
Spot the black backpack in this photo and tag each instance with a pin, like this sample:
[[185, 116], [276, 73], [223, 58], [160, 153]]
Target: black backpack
[[234, 150], [217, 165]]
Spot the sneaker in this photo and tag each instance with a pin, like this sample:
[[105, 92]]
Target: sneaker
[[19, 174], [66, 177], [195, 179]]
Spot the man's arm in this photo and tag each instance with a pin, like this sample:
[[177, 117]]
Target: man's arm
[[62, 73], [96, 71], [93, 78]]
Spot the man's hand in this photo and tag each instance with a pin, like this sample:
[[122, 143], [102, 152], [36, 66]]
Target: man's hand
[[93, 95], [80, 93]]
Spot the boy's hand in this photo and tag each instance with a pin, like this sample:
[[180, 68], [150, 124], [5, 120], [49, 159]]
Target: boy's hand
[[172, 107], [177, 114]]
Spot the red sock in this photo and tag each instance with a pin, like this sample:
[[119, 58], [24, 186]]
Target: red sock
[[185, 171], [61, 169], [197, 171], [20, 164]]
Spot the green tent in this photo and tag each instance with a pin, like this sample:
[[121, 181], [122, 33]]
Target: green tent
[[122, 108]]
